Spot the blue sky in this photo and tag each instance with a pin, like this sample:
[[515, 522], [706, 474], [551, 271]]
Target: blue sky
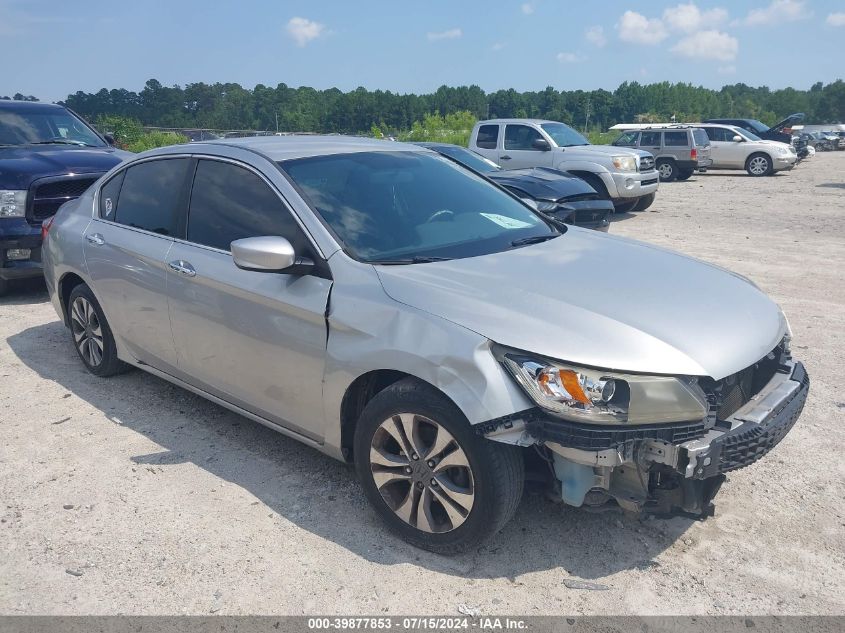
[[51, 47]]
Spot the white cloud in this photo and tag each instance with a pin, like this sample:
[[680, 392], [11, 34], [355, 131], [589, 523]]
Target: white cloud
[[498, 46], [595, 35], [527, 8], [836, 19], [777, 12], [303, 30], [569, 58], [727, 70], [451, 34], [635, 27], [708, 45], [689, 18]]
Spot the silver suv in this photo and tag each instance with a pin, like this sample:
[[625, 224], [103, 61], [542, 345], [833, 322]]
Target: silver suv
[[387, 306], [625, 176], [679, 151]]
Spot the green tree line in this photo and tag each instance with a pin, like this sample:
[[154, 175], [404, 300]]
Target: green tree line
[[230, 106]]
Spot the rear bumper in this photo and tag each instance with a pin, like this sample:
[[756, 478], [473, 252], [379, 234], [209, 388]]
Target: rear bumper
[[18, 233]]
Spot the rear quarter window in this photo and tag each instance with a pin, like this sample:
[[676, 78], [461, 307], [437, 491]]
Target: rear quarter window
[[109, 194], [488, 136]]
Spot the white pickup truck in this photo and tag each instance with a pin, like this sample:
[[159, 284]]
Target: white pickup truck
[[625, 176]]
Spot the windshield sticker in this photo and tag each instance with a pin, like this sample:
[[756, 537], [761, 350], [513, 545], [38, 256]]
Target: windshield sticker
[[505, 221]]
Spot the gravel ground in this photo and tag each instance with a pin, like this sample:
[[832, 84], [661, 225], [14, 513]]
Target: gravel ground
[[129, 495]]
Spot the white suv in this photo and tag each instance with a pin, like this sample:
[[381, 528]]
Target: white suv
[[625, 176], [732, 147]]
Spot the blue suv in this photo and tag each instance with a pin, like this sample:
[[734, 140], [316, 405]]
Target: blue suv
[[48, 155]]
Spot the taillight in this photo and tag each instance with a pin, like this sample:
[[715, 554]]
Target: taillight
[[693, 154], [45, 227]]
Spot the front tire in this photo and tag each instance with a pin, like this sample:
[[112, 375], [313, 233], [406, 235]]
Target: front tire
[[645, 202], [759, 165], [428, 475], [667, 170], [92, 337]]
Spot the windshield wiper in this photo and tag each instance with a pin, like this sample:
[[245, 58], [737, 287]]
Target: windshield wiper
[[534, 239], [419, 259], [61, 142]]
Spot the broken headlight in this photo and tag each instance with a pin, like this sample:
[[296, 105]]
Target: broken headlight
[[606, 397]]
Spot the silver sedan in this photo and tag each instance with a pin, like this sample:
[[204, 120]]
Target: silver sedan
[[387, 306]]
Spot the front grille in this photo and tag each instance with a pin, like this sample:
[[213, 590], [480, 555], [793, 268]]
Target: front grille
[[597, 438], [646, 163], [732, 392], [46, 195]]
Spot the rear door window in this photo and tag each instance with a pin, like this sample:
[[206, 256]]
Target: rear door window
[[521, 137], [675, 139], [229, 203], [488, 136], [151, 196]]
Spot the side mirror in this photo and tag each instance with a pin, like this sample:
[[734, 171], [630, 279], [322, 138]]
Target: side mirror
[[737, 139], [541, 144], [109, 139], [268, 254]]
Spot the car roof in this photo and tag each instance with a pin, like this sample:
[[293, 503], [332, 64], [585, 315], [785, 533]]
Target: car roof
[[517, 121], [280, 148], [29, 106]]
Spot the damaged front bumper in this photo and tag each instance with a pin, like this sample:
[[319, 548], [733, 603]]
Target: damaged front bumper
[[660, 468]]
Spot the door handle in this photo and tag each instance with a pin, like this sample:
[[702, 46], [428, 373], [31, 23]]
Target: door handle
[[505, 157], [183, 268], [95, 238]]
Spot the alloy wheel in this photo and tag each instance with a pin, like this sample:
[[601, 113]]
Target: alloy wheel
[[758, 165], [422, 473], [87, 331], [665, 170]]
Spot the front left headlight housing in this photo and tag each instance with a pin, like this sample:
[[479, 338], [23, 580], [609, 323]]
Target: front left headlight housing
[[597, 396], [625, 163], [12, 203]]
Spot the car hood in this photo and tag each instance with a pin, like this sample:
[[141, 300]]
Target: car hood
[[542, 184], [20, 165], [608, 150], [600, 300], [788, 121]]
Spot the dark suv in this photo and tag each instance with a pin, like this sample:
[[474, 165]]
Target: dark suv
[[48, 155], [781, 132]]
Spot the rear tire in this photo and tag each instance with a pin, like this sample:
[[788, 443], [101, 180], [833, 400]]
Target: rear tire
[[667, 169], [403, 436], [759, 164], [645, 202], [684, 174], [91, 335]]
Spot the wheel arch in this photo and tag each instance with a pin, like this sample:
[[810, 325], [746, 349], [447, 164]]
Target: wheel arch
[[360, 392], [67, 283]]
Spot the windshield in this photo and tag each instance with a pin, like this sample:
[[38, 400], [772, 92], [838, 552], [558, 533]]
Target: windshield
[[757, 126], [410, 207], [468, 158], [45, 127], [748, 135], [563, 135]]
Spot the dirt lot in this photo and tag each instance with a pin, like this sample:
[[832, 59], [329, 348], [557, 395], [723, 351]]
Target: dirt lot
[[129, 495]]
